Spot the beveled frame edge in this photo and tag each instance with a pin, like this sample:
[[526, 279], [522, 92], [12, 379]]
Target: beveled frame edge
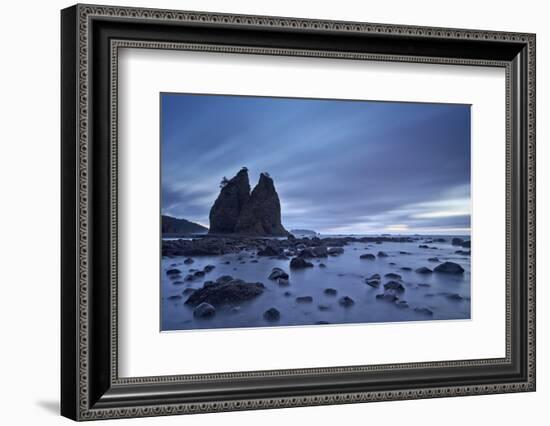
[[79, 225]]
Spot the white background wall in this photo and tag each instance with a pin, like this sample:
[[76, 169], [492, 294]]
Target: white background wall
[[29, 213]]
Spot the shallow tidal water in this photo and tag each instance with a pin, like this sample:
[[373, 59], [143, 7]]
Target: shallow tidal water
[[345, 273]]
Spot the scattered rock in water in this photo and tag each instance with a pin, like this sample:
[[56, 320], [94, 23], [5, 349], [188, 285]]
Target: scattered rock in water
[[283, 282], [209, 268], [449, 268], [224, 279], [189, 277], [374, 277], [388, 296], [204, 310], [304, 299], [403, 304], [467, 244], [330, 291], [391, 263], [406, 268], [188, 261], [382, 254], [433, 259], [323, 307], [423, 270], [269, 251], [174, 297], [254, 261], [178, 282], [346, 301], [424, 311], [300, 263], [322, 265], [367, 256], [393, 276], [227, 262], [457, 241], [395, 286], [424, 285], [272, 314], [277, 273], [463, 252], [440, 240], [373, 283], [199, 274], [335, 251], [423, 246], [226, 292], [453, 296], [287, 294], [188, 291], [173, 271], [322, 322], [404, 252]]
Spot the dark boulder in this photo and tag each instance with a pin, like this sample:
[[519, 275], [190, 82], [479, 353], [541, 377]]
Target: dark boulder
[[403, 304], [374, 277], [457, 241], [433, 259], [424, 311], [373, 283], [204, 310], [322, 265], [300, 263], [173, 271], [367, 256], [382, 254], [277, 273], [330, 291], [221, 293], [335, 251], [463, 252], [393, 276], [283, 282], [188, 261], [449, 268], [269, 251], [323, 307], [423, 270], [209, 268], [304, 299], [272, 314], [346, 301], [388, 296], [406, 268], [423, 246], [395, 286]]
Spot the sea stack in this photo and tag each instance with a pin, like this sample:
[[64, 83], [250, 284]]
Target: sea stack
[[237, 211], [225, 212]]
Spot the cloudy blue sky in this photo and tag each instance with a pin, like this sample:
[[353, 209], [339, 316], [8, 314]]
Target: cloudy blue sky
[[338, 166]]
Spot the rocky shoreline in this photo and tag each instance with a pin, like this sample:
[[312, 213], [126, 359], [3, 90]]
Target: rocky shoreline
[[229, 292]]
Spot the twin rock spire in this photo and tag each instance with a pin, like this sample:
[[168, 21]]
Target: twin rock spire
[[239, 211]]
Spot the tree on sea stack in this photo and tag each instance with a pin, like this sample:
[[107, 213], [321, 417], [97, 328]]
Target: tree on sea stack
[[237, 211]]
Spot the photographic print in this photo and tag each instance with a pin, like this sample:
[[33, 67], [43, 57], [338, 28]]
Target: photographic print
[[294, 212]]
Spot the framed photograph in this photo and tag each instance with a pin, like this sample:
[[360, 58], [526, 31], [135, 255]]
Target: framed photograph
[[263, 212]]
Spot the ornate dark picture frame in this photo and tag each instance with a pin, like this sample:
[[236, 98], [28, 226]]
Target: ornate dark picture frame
[[91, 37]]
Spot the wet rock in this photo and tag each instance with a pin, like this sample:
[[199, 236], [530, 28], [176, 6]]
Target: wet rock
[[222, 293], [304, 299], [272, 314], [322, 265], [269, 251], [204, 310], [178, 282], [330, 291], [423, 285], [453, 296], [189, 277], [367, 256], [423, 246], [188, 261], [287, 294], [449, 268], [321, 251], [463, 252], [424, 311], [391, 263], [224, 279], [382, 254], [174, 297], [283, 282], [323, 307], [254, 261], [395, 286], [199, 274], [466, 244], [403, 304], [277, 273], [433, 259], [404, 252], [406, 268], [374, 277], [209, 268], [346, 301], [188, 291], [335, 251], [373, 283], [393, 276], [423, 270], [388, 296], [440, 240], [457, 241], [300, 263], [173, 271]]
